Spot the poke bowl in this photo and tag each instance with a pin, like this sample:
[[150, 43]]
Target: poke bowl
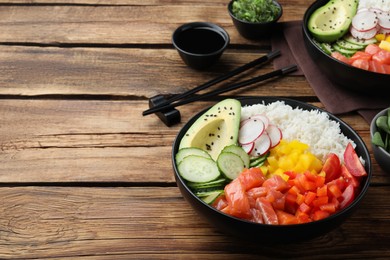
[[337, 55], [215, 177]]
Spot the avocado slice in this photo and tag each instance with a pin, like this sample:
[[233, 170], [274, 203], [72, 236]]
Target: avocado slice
[[331, 21], [215, 129]]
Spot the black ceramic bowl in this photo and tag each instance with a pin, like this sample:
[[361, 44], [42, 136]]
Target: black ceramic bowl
[[200, 44], [252, 30], [342, 74], [381, 155], [274, 233]]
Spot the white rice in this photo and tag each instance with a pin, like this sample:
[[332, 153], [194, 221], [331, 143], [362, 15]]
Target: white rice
[[313, 128], [383, 5]]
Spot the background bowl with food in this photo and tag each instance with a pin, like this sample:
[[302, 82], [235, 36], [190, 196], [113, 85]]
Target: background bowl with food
[[350, 42]]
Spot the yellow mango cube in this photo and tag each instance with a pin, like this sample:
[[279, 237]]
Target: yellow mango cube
[[385, 45]]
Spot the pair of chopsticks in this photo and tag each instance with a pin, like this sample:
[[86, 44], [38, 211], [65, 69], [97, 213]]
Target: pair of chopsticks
[[179, 100]]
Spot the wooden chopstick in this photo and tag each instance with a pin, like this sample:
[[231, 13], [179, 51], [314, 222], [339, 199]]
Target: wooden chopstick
[[275, 73], [212, 82]]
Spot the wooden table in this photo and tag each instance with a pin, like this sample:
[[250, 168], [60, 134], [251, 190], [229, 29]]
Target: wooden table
[[84, 174]]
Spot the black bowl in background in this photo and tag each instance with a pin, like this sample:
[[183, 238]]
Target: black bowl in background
[[200, 44], [274, 233], [342, 74], [252, 30], [381, 155]]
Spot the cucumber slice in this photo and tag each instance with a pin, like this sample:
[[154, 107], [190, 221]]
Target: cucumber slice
[[363, 42], [184, 152], [230, 164], [348, 45], [210, 197], [208, 185], [238, 150], [195, 168], [258, 161], [345, 52], [327, 48]]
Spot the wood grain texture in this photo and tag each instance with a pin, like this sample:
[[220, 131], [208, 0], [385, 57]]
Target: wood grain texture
[[51, 222], [83, 175], [50, 71], [91, 141], [133, 24]]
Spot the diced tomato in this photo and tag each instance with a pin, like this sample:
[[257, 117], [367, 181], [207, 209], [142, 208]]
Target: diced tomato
[[339, 182], [302, 217], [361, 55], [320, 214], [285, 218], [337, 55], [267, 211], [348, 177], [291, 174], [277, 183], [361, 64], [372, 49], [237, 200], [306, 184], [304, 208], [322, 191], [251, 178], [328, 207], [290, 205], [317, 202], [382, 57], [331, 167], [300, 199], [352, 162], [348, 196], [309, 197], [334, 190]]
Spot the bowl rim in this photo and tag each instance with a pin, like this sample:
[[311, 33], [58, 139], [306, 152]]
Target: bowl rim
[[303, 105], [373, 128], [209, 25], [229, 7], [308, 35]]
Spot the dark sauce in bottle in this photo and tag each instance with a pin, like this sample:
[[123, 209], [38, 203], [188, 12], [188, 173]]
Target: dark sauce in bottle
[[200, 40]]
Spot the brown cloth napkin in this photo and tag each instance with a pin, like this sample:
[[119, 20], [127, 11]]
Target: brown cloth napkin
[[288, 38]]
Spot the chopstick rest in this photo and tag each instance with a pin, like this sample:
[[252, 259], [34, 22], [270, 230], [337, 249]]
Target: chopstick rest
[[170, 116]]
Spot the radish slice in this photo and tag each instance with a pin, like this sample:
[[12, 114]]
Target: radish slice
[[263, 118], [363, 35], [363, 9], [384, 19], [248, 148], [275, 135], [365, 21], [250, 131], [384, 30], [262, 145]]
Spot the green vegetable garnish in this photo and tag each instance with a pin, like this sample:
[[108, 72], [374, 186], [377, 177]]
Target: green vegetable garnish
[[377, 140], [255, 11], [382, 123], [382, 136]]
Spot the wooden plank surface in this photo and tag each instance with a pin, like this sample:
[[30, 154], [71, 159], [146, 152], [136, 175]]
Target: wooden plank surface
[[84, 175], [110, 222]]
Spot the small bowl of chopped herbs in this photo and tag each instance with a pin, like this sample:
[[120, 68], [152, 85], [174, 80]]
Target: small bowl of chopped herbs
[[255, 19], [380, 138]]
